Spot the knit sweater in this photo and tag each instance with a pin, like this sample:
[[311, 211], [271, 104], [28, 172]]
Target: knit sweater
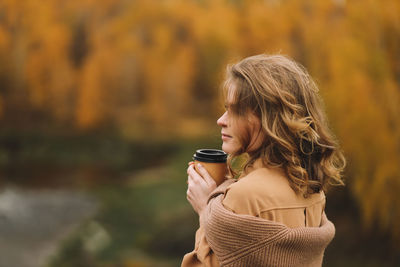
[[243, 240], [263, 193]]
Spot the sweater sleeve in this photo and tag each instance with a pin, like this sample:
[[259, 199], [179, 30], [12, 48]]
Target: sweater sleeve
[[202, 255], [243, 240]]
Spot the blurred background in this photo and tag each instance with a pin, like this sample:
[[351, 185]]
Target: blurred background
[[103, 103]]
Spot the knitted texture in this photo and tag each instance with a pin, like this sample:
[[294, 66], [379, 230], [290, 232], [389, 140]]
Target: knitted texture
[[244, 240]]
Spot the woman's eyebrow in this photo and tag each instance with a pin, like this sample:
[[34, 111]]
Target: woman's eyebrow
[[228, 105]]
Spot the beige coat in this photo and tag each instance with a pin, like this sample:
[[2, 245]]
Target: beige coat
[[264, 193]]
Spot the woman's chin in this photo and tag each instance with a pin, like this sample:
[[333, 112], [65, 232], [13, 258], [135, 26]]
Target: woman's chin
[[228, 148], [224, 148]]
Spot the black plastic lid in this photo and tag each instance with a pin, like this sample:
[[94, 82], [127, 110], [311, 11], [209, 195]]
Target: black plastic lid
[[210, 155]]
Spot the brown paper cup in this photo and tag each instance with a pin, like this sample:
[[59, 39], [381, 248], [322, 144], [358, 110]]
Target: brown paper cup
[[216, 170], [214, 161]]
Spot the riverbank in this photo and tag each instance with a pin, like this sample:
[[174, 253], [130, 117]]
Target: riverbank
[[33, 222]]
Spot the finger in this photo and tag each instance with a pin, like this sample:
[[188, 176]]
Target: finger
[[189, 191], [206, 176], [191, 166], [188, 195], [194, 182], [190, 181], [191, 171], [194, 175]]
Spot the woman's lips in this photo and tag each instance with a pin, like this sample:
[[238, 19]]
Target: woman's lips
[[225, 136]]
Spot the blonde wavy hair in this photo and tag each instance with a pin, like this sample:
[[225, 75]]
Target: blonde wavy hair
[[284, 97]]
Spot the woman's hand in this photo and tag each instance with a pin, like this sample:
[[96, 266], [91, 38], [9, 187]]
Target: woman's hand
[[200, 185]]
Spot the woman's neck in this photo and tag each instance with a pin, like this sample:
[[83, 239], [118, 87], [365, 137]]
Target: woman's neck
[[252, 167], [257, 164]]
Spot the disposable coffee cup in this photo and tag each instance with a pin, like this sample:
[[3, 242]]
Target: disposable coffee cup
[[214, 161]]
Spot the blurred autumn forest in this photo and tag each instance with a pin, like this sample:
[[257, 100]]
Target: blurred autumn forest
[[151, 68]]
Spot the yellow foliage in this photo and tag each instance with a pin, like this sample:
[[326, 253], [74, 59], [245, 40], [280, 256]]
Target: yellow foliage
[[150, 65]]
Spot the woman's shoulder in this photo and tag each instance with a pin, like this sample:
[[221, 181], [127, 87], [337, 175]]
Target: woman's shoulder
[[263, 189], [256, 191], [262, 181]]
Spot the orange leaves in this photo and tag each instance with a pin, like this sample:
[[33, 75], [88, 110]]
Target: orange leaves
[[150, 64]]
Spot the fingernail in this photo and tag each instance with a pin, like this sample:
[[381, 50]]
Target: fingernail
[[199, 165]]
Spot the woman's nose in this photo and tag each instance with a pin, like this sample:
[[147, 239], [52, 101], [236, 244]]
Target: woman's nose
[[223, 120]]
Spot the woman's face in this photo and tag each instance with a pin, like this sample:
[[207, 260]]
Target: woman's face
[[234, 127]]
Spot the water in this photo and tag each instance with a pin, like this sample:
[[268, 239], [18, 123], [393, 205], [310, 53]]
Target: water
[[33, 222]]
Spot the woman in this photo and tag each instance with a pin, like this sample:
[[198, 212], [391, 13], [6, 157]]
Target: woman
[[273, 214]]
